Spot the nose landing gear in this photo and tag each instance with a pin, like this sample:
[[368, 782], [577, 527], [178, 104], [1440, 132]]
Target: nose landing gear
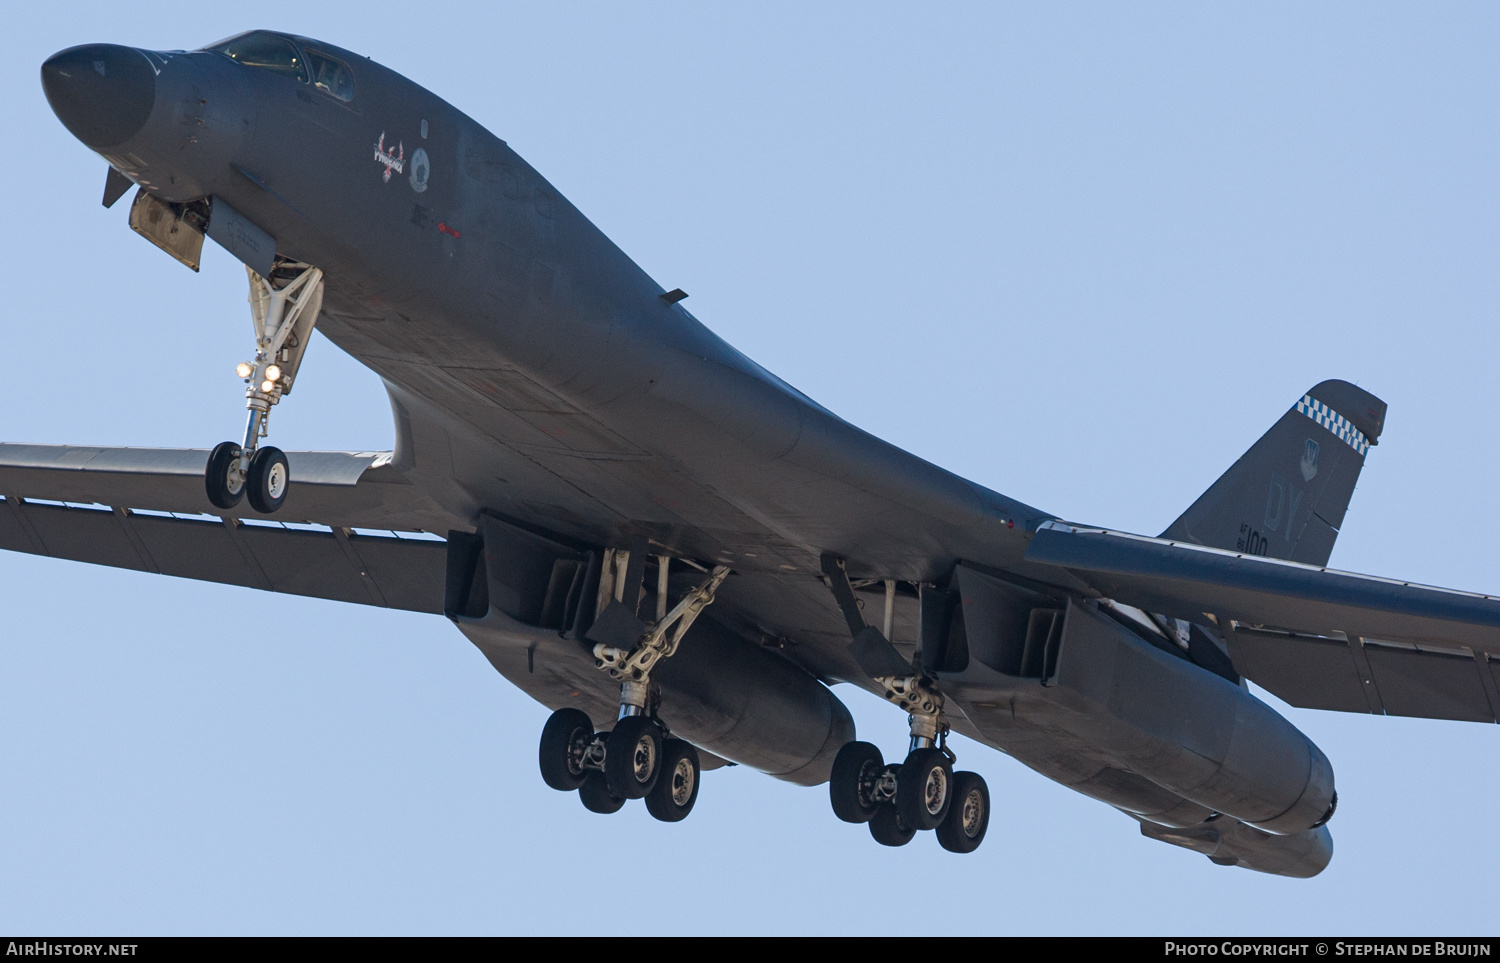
[[283, 309]]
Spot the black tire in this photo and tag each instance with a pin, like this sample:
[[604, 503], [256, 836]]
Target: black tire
[[268, 480], [968, 817], [595, 794], [565, 738], [855, 770], [221, 478], [924, 788], [632, 757], [676, 789], [888, 828]]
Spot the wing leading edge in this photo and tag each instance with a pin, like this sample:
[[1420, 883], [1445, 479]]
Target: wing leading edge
[[351, 489], [121, 506]]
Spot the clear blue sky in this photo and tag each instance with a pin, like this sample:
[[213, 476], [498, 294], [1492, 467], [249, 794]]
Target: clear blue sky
[[1082, 254]]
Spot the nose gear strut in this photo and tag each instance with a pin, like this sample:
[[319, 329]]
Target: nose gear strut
[[283, 309]]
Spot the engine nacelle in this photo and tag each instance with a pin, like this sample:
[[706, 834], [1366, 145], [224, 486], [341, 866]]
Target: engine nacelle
[[751, 706], [1188, 730], [1092, 704], [526, 600]]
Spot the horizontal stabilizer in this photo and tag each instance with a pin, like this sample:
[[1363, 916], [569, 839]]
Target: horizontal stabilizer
[[1318, 637]]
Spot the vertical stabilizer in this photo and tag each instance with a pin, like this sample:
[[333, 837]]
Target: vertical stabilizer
[[1286, 497]]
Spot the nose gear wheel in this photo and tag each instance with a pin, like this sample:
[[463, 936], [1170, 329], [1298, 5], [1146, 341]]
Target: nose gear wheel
[[266, 482], [223, 478]]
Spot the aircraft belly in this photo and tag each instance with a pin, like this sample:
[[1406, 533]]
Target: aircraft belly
[[521, 464], [728, 449], [532, 461], [484, 425]]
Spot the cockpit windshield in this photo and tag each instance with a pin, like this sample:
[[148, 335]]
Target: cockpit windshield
[[265, 51], [330, 75]]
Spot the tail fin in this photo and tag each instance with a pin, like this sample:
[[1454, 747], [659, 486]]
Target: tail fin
[[1286, 496]]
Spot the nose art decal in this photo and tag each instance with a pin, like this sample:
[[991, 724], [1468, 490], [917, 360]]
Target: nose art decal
[[393, 160]]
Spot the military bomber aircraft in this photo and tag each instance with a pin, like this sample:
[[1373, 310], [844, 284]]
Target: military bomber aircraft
[[674, 549]]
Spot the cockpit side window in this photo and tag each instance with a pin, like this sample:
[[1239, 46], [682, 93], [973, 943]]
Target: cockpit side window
[[330, 75], [265, 51]]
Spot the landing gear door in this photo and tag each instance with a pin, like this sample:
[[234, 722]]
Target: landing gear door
[[235, 233], [175, 228]]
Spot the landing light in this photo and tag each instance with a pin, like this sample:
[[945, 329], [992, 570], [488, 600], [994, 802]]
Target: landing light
[[243, 369], [273, 373], [267, 386]]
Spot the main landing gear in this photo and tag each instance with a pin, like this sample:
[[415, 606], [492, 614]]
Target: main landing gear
[[898, 801], [283, 309], [638, 758]]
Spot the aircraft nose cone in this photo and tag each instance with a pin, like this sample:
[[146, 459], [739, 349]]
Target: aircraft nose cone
[[103, 93]]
